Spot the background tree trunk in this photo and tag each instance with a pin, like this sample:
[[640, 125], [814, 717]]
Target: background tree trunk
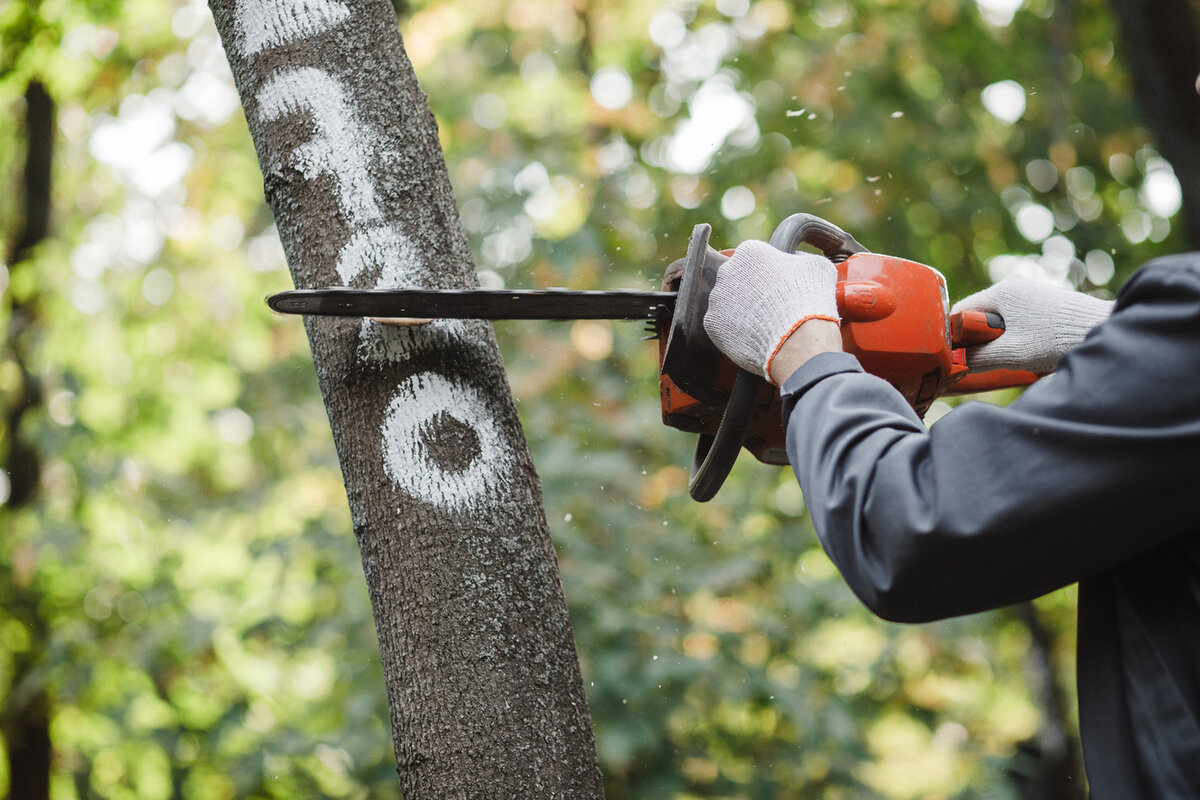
[[25, 718], [1160, 41], [482, 678]]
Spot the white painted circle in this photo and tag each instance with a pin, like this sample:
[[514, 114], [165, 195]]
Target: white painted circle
[[418, 402]]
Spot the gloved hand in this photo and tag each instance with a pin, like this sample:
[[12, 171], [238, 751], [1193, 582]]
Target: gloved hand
[[1041, 322], [761, 296]]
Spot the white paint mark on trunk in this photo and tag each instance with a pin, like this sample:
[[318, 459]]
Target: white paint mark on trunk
[[263, 24], [400, 264], [441, 441], [389, 344], [427, 409], [399, 261], [338, 148]]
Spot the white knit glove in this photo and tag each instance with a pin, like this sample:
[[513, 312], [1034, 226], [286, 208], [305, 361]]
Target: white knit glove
[[1041, 322], [761, 296]]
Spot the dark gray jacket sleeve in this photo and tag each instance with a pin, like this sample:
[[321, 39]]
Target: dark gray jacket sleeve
[[1090, 467]]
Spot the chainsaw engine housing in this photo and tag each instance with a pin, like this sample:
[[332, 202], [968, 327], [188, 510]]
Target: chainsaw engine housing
[[895, 320]]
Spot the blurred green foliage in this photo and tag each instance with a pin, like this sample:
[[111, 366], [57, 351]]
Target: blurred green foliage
[[184, 588]]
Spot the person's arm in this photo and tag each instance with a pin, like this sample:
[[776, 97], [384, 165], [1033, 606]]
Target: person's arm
[[1089, 468]]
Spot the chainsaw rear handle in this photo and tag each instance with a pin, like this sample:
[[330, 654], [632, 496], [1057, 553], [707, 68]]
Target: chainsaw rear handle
[[992, 380], [971, 329]]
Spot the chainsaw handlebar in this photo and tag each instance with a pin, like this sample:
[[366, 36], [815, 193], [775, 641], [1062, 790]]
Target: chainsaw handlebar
[[832, 241]]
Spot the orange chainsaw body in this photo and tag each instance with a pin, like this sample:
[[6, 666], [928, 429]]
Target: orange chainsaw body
[[895, 320]]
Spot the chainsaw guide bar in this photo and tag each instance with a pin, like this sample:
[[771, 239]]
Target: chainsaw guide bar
[[560, 304]]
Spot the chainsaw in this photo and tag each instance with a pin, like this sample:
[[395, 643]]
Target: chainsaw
[[895, 319]]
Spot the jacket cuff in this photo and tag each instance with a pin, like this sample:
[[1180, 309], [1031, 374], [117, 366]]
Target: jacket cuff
[[818, 368]]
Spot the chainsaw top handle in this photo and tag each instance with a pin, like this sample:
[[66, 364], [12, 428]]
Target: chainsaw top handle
[[833, 242]]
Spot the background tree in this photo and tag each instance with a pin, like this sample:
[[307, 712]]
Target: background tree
[[190, 557], [1162, 43], [25, 721]]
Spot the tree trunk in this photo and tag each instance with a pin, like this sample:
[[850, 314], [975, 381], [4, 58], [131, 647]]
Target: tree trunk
[[482, 678], [1049, 766], [1160, 42], [25, 716]]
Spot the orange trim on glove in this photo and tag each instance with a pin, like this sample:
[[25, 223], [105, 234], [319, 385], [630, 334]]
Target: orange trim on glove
[[786, 336]]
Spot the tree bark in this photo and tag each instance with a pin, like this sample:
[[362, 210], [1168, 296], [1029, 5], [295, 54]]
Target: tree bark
[[1160, 41], [482, 677]]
